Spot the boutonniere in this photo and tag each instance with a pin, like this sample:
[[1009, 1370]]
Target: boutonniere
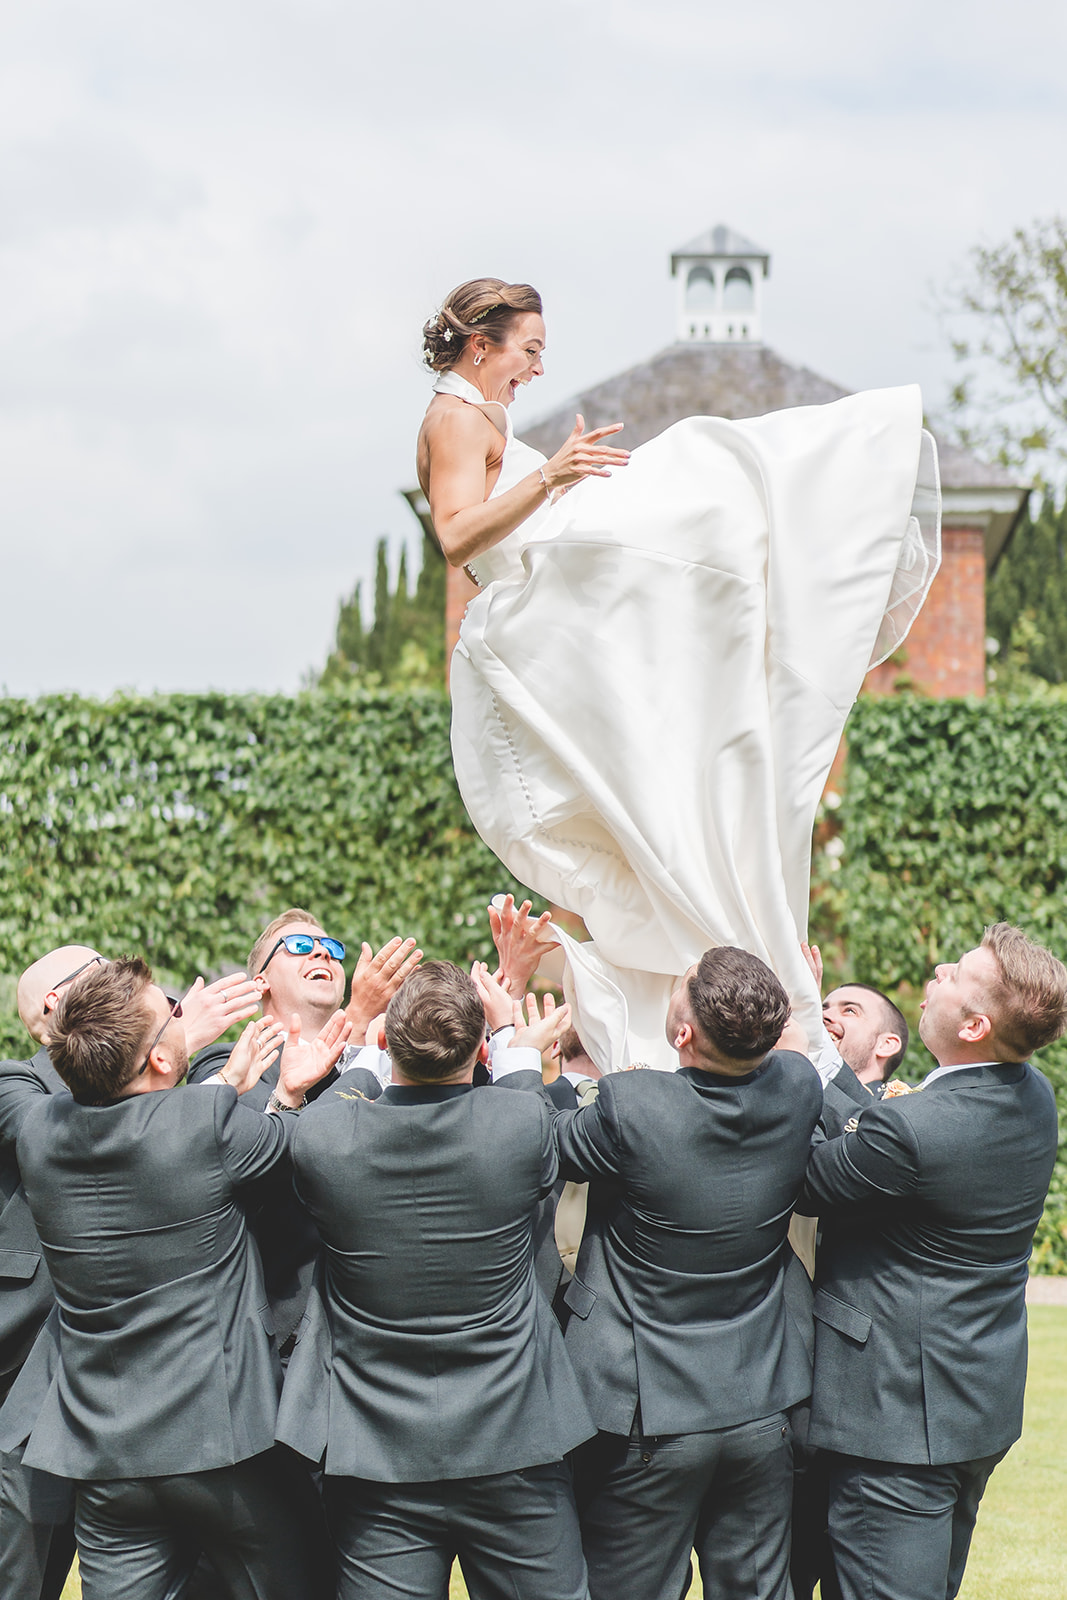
[[895, 1086]]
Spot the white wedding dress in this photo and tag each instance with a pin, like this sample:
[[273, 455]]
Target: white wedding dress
[[651, 686]]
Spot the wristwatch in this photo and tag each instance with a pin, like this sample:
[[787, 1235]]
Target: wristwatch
[[274, 1104]]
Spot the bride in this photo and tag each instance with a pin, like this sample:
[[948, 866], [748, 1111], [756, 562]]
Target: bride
[[651, 686]]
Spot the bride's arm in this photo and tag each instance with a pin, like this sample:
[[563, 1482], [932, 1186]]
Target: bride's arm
[[466, 522]]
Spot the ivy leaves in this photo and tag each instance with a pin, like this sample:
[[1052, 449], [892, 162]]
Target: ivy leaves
[[177, 825]]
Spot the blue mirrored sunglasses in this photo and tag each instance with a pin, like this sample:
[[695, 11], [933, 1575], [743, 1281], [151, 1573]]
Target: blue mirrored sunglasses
[[302, 944]]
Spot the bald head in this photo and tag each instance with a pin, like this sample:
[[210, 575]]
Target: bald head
[[40, 984]]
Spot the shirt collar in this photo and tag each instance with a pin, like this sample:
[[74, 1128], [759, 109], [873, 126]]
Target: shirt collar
[[961, 1066]]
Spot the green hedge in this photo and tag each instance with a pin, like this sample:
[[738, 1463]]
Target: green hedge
[[177, 825], [954, 815]]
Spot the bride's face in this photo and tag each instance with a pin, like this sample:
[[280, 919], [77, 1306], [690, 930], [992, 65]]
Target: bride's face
[[506, 367]]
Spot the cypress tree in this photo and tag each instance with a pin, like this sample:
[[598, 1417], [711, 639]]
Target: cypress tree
[[1030, 584]]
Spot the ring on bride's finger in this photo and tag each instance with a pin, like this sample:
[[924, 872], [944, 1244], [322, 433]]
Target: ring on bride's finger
[[225, 997]]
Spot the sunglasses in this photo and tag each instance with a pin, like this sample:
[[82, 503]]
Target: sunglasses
[[302, 944], [92, 961], [175, 1011]]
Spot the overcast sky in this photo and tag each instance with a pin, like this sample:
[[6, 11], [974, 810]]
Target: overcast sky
[[222, 225]]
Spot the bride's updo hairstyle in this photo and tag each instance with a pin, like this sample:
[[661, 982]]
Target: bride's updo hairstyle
[[485, 305]]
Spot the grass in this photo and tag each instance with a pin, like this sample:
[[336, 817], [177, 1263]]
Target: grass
[[1020, 1544]]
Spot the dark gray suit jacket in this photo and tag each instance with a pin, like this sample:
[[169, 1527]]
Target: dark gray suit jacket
[[678, 1299], [928, 1213], [287, 1238], [167, 1362], [25, 1288], [427, 1352]]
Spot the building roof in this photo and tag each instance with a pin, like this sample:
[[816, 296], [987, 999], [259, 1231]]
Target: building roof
[[721, 241], [737, 380]]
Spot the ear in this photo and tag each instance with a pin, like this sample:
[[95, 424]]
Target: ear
[[483, 1051], [159, 1063], [382, 1044], [50, 1001], [683, 1036], [975, 1029], [886, 1045]]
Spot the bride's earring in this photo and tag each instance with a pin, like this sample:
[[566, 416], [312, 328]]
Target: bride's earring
[[477, 361]]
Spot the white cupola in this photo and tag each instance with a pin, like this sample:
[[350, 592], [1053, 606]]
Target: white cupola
[[720, 280]]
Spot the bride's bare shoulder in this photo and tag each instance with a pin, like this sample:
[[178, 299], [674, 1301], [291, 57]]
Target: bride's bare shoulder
[[450, 423]]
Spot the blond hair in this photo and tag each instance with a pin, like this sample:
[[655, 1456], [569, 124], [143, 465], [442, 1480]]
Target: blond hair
[[271, 932], [1030, 1001]]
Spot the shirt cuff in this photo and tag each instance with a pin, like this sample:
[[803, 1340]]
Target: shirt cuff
[[521, 1059], [826, 1061], [500, 1040]]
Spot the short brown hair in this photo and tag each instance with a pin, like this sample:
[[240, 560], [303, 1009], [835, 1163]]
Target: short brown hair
[[435, 1022], [100, 1028], [739, 1005], [271, 932], [484, 305], [570, 1045], [1030, 1002]]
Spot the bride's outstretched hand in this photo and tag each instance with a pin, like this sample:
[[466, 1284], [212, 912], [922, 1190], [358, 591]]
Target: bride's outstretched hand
[[584, 456]]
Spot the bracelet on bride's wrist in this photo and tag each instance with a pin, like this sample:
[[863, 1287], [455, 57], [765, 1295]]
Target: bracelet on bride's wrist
[[544, 480]]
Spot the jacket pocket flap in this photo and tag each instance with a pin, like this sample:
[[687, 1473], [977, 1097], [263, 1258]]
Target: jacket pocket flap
[[578, 1298], [840, 1316], [18, 1263]]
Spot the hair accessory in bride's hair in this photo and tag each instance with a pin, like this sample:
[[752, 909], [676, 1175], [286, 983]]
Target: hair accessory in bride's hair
[[447, 336], [486, 312]]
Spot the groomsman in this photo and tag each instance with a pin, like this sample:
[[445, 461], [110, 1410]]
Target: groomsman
[[430, 1375], [681, 1329], [36, 1509], [928, 1212], [295, 966], [162, 1409]]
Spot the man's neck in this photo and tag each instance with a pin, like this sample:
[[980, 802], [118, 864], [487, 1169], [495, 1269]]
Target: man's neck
[[466, 1075], [721, 1066]]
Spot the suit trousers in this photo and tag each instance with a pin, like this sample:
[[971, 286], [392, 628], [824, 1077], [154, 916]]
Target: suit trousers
[[260, 1523], [902, 1532], [646, 1502], [515, 1535], [36, 1530]]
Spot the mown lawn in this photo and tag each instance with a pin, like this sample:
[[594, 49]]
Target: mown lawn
[[1020, 1546]]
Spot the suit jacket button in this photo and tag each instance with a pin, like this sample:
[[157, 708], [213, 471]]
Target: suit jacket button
[[646, 1457]]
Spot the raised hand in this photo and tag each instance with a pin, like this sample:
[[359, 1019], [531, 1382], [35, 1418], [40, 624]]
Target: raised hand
[[253, 1053], [583, 456], [494, 996], [520, 941], [376, 980], [305, 1062], [209, 1009], [813, 956], [538, 1027]]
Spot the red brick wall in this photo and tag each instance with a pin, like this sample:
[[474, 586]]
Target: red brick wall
[[944, 654]]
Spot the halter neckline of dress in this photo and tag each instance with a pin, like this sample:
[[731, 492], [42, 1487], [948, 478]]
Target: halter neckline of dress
[[463, 389]]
